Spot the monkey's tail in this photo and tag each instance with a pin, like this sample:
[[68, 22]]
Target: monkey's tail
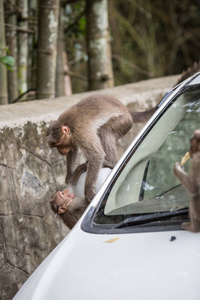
[[142, 116], [189, 72]]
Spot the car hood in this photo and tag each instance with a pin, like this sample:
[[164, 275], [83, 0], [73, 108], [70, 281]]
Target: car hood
[[155, 265]]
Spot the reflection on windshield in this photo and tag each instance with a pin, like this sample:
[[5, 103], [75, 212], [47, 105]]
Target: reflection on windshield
[[147, 184]]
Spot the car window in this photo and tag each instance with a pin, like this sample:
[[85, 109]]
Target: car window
[[147, 183]]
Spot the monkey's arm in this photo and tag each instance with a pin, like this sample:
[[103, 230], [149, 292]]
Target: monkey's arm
[[95, 155], [184, 178], [71, 158]]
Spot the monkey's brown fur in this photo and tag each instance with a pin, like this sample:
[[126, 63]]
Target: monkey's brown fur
[[71, 213], [191, 183], [189, 72], [95, 123]]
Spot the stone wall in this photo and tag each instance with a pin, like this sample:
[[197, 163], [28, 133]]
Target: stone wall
[[30, 172]]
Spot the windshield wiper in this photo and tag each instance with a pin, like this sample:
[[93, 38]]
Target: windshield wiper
[[132, 221]]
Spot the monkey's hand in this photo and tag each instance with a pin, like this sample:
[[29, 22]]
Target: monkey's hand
[[177, 167], [178, 170]]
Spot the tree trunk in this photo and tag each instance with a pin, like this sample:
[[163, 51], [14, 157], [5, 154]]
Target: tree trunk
[[3, 71], [32, 41], [100, 73], [11, 41], [60, 90], [23, 47], [46, 52], [63, 82]]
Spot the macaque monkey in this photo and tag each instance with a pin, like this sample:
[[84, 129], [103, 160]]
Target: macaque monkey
[[94, 124], [68, 207], [191, 183]]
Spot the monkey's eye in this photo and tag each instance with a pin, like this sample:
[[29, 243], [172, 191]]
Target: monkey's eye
[[61, 194], [60, 147], [53, 145]]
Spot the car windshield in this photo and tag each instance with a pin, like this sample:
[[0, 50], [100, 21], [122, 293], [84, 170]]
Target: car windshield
[[146, 185]]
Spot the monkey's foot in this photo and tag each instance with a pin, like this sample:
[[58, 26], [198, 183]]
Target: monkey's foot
[[191, 227], [186, 226]]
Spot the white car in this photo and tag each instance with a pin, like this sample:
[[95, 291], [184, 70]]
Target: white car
[[129, 243]]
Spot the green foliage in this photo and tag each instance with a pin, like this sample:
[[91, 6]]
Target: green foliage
[[159, 37], [148, 39], [6, 60], [82, 25], [75, 20]]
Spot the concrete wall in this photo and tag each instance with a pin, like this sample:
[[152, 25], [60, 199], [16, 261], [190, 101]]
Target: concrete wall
[[30, 172]]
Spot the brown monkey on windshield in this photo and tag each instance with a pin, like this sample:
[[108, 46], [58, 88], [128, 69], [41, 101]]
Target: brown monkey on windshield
[[93, 125], [68, 207], [191, 183]]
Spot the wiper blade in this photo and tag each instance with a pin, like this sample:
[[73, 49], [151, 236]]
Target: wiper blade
[[132, 221]]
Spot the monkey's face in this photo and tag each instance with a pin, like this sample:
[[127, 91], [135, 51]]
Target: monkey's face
[[65, 144], [62, 199]]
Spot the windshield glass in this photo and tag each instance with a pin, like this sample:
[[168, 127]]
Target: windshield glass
[[146, 184]]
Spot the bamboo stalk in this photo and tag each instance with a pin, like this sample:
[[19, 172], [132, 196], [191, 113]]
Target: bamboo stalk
[[3, 71]]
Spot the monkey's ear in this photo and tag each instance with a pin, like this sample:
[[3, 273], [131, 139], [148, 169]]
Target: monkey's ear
[[62, 209], [65, 129]]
